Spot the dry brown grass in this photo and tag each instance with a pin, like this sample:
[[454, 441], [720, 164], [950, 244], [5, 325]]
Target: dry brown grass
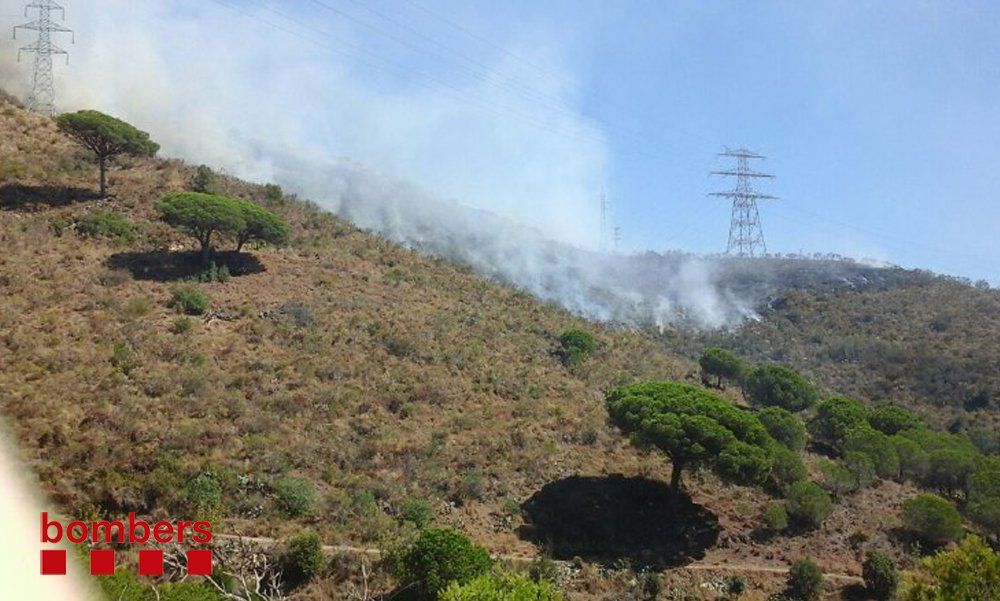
[[372, 373]]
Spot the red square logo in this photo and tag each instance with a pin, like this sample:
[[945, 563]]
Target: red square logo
[[199, 562], [151, 562], [102, 562], [53, 562]]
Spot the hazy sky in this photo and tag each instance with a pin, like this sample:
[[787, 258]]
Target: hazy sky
[[880, 119]]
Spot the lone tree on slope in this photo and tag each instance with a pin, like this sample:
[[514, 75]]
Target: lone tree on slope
[[694, 426], [106, 137], [722, 364], [261, 225]]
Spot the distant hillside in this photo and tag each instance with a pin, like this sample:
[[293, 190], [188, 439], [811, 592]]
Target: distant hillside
[[928, 342]]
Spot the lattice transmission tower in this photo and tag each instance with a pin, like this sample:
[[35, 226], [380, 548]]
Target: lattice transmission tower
[[746, 238], [43, 95]]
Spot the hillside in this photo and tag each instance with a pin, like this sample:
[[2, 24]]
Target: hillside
[[932, 345], [362, 378]]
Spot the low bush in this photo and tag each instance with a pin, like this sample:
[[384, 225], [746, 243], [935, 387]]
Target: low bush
[[107, 224], [303, 559], [417, 511], [190, 300], [576, 345], [438, 558], [294, 497], [775, 517], [881, 576], [501, 587], [805, 581], [807, 503], [933, 519]]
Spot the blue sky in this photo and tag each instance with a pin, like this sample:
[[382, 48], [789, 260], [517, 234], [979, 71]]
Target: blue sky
[[880, 119]]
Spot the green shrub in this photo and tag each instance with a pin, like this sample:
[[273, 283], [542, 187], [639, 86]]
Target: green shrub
[[501, 587], [417, 511], [294, 497], [948, 575], [780, 386], [190, 300], [576, 346], [933, 519], [187, 591], [861, 467], [181, 325], [124, 357], [775, 517], [807, 503], [204, 493], [471, 486], [213, 273], [784, 426], [439, 557], [805, 581], [107, 224], [881, 576], [303, 559]]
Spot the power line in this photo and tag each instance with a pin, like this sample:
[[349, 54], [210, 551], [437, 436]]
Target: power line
[[43, 95]]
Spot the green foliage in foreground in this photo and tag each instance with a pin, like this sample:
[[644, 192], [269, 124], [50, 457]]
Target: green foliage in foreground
[[932, 518], [694, 427], [124, 585], [777, 385], [438, 558], [501, 587], [970, 572]]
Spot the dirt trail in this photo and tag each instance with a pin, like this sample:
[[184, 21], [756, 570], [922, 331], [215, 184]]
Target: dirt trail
[[740, 567]]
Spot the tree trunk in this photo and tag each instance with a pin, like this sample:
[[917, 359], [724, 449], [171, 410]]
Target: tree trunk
[[103, 161], [206, 248], [675, 478]]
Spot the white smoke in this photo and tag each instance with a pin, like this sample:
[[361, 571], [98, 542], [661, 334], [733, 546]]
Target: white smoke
[[217, 87]]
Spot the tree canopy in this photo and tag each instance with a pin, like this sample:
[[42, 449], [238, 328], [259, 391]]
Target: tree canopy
[[932, 518], [106, 137], [261, 225], [206, 216], [723, 365], [777, 385], [693, 427], [970, 572], [784, 426], [835, 416], [203, 216]]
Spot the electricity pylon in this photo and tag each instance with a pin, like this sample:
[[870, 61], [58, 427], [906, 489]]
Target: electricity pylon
[[43, 95], [745, 234]]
